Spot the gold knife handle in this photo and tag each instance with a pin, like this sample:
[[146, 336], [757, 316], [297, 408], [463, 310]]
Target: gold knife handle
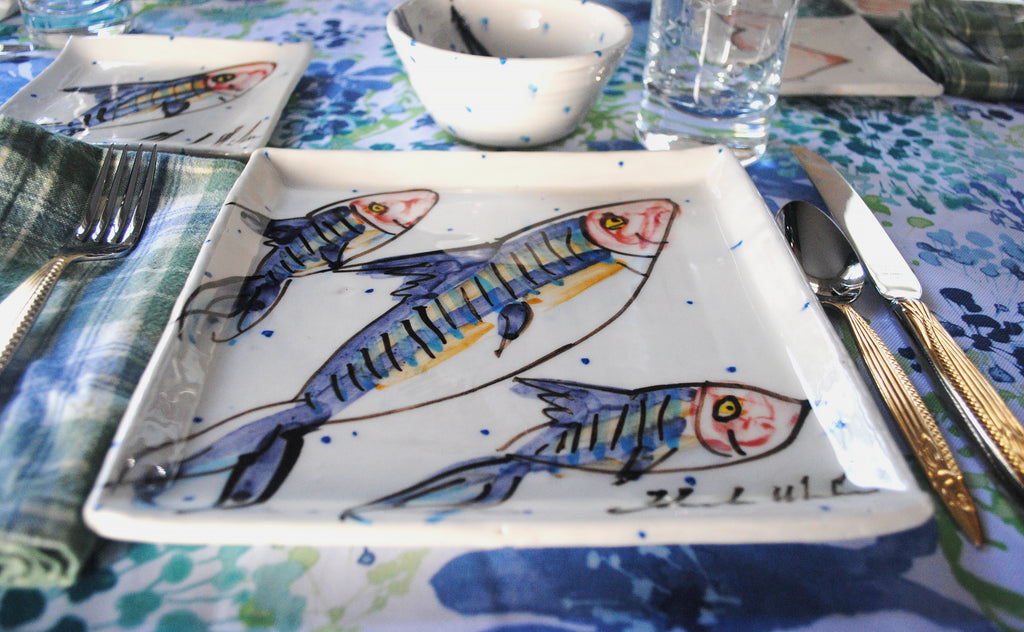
[[21, 307], [917, 425], [986, 407]]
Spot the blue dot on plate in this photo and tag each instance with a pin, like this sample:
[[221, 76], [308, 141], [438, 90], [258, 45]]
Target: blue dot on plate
[[642, 534], [325, 439], [369, 291], [197, 420], [730, 369], [367, 558], [689, 480], [485, 431], [266, 333], [585, 360]]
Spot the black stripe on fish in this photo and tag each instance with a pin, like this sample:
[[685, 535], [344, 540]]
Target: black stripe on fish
[[662, 411], [569, 244], [369, 363], [537, 259], [305, 242], [353, 377], [444, 313], [336, 387], [421, 311], [294, 257], [523, 270], [469, 304], [594, 428], [620, 426], [578, 431], [483, 291], [642, 425], [501, 279], [416, 337], [386, 339]]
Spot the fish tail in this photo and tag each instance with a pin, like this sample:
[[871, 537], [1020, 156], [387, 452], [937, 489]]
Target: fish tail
[[244, 466], [478, 483]]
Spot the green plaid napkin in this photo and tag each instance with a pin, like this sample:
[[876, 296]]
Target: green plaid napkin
[[65, 390], [975, 49]]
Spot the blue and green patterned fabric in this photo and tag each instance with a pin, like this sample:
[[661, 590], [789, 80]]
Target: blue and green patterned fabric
[[64, 392]]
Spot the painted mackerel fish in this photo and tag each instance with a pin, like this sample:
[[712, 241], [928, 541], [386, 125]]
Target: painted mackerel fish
[[623, 434], [321, 241], [152, 100], [493, 308]]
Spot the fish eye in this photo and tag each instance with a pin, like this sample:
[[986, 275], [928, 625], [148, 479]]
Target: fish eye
[[726, 409], [224, 77], [377, 208], [611, 221]]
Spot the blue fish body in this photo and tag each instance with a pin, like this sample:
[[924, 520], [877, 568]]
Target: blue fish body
[[167, 98], [448, 301], [617, 432], [321, 241]]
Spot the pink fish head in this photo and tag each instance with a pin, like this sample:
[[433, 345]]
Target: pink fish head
[[633, 228], [394, 212], [744, 423], [239, 78]]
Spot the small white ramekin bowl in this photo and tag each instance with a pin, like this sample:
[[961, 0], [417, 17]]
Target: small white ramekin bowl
[[508, 73]]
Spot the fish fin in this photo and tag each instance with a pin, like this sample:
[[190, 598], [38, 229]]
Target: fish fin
[[256, 221], [281, 232], [513, 319], [571, 402], [478, 483], [224, 309], [426, 272], [174, 108], [104, 91]]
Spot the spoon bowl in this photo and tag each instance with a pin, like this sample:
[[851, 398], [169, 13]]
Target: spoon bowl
[[830, 264]]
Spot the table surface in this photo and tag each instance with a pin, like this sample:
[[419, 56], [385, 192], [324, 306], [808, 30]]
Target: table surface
[[944, 176]]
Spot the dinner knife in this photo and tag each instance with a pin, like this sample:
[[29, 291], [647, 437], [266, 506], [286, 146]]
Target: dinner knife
[[985, 414]]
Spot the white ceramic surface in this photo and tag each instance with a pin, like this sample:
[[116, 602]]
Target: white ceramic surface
[[546, 64], [197, 95], [845, 56], [710, 303]]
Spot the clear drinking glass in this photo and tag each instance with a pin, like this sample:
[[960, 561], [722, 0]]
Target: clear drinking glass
[[51, 22], [713, 72]]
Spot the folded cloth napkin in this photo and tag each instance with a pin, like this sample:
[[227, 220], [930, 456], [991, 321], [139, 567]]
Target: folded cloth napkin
[[67, 386], [975, 49]]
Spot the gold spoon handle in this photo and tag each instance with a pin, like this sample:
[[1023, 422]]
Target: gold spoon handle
[[917, 425], [978, 401]]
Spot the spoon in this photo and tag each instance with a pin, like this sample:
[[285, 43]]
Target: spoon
[[836, 276]]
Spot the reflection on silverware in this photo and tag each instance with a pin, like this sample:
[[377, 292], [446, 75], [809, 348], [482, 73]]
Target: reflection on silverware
[[110, 227], [984, 412], [836, 275]]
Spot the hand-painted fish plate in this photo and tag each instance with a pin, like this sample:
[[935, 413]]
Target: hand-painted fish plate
[[499, 349], [196, 95]]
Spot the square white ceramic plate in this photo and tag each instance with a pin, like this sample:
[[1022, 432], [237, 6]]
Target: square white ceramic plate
[[846, 56], [197, 95], [552, 355]]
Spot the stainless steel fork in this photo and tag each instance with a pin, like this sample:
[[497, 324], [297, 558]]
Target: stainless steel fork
[[111, 225]]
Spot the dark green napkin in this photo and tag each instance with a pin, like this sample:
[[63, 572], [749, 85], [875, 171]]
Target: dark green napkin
[[975, 49], [64, 393]]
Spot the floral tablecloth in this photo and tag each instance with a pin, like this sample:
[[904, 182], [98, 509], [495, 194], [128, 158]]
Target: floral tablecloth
[[945, 175]]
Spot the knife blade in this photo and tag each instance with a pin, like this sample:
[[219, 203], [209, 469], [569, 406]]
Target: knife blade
[[983, 412]]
